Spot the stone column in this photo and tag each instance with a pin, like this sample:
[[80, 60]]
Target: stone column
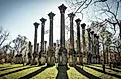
[[89, 47], [98, 56], [29, 54], [92, 45], [79, 53], [34, 61], [37, 48], [54, 46], [62, 51], [95, 52], [56, 53], [84, 44], [46, 50], [12, 58], [42, 58], [45, 45], [72, 57], [51, 60]]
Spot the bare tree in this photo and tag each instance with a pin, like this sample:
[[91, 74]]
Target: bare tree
[[19, 43], [3, 36]]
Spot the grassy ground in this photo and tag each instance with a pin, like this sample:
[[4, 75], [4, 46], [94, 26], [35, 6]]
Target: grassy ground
[[94, 71]]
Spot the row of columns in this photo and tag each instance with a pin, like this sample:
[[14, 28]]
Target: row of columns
[[93, 47], [74, 57]]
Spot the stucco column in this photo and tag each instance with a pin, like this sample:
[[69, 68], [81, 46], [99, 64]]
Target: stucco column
[[29, 54], [62, 51], [34, 61], [84, 44], [42, 55], [98, 56], [72, 54], [51, 53], [92, 45], [79, 53], [89, 47]]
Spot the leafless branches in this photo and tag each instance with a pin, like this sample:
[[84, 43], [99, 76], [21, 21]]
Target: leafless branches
[[3, 36]]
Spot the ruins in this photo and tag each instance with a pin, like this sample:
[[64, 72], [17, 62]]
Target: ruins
[[57, 53]]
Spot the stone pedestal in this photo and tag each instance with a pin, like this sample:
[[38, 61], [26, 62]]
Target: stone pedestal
[[62, 57], [62, 51]]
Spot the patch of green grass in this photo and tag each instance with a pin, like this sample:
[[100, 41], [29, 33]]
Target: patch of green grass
[[99, 74], [74, 74], [10, 70], [49, 73], [22, 73], [107, 70], [5, 66]]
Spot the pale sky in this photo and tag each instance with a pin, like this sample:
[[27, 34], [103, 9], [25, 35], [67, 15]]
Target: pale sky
[[18, 16]]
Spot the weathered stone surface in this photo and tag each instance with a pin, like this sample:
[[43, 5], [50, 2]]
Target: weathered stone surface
[[42, 54], [72, 50], [89, 47], [51, 51], [29, 54], [79, 55], [62, 59], [35, 54], [62, 56], [84, 55]]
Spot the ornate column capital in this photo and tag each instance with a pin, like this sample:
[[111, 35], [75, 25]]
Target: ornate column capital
[[43, 20], [51, 15], [36, 25], [88, 30], [62, 8], [71, 15], [77, 21], [83, 25]]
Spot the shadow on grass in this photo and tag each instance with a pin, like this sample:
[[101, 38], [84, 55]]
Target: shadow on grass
[[109, 68], [118, 67], [62, 72], [10, 68], [105, 72], [2, 67], [83, 72], [34, 73], [14, 71]]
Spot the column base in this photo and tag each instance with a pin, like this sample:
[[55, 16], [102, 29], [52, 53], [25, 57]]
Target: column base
[[62, 56], [34, 61], [72, 57], [51, 58]]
